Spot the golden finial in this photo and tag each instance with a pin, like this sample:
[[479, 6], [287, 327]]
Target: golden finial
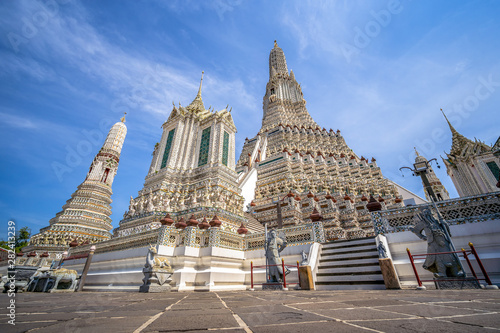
[[122, 119], [275, 44], [449, 124], [201, 81], [416, 152]]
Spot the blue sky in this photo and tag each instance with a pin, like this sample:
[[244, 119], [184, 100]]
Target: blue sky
[[379, 71]]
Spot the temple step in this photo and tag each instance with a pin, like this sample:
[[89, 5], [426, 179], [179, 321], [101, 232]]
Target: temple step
[[351, 264]]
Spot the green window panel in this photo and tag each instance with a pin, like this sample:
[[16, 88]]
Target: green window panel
[[204, 146], [494, 169], [225, 148], [166, 153]]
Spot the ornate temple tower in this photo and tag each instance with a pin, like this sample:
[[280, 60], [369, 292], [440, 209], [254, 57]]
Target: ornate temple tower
[[303, 166], [438, 188], [474, 167], [85, 218], [192, 172]]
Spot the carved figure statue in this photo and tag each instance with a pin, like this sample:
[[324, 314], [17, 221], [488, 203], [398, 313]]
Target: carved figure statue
[[382, 251], [442, 265], [157, 272], [304, 260], [153, 261], [275, 244]]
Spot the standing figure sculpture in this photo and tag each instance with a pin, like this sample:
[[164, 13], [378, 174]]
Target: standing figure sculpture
[[442, 265], [275, 244]]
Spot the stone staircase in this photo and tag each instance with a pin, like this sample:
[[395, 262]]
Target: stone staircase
[[349, 264]]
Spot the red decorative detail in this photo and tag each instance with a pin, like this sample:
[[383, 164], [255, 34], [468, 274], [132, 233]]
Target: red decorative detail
[[297, 198], [74, 243], [310, 195], [44, 255], [352, 157], [373, 205], [253, 204], [192, 222], [363, 198], [347, 197], [328, 196], [316, 199], [181, 224], [380, 199], [242, 230], [398, 200], [20, 254], [342, 155], [373, 159], [215, 222], [32, 254], [315, 215], [166, 220], [290, 194], [204, 224]]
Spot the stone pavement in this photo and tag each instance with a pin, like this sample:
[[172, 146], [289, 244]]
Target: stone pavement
[[258, 311]]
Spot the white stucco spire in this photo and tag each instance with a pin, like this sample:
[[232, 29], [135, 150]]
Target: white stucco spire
[[277, 60], [116, 137]]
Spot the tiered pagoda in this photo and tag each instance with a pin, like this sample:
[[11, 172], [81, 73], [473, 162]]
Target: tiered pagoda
[[294, 161], [85, 218], [192, 175]]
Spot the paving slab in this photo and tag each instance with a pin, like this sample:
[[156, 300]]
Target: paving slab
[[311, 306], [262, 311], [288, 316], [429, 310], [115, 325], [354, 314], [21, 327], [484, 320], [191, 321], [320, 326], [419, 325]]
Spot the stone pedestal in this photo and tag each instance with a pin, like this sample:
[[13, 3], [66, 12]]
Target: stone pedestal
[[457, 283], [273, 286], [156, 280], [391, 279], [306, 280]]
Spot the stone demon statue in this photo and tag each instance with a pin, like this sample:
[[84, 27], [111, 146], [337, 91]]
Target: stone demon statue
[[436, 235], [157, 272], [275, 244]]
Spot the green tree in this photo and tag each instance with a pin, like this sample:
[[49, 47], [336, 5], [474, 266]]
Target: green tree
[[22, 238]]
